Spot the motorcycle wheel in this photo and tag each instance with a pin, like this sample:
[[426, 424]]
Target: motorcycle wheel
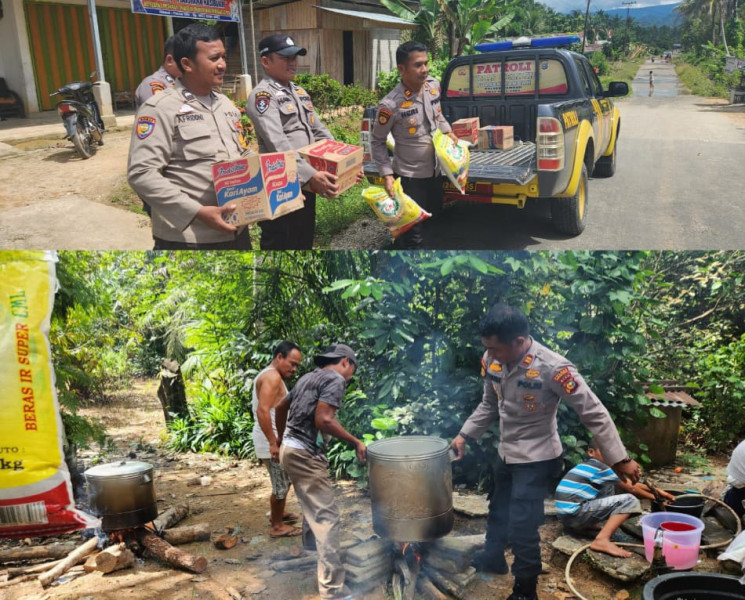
[[81, 139]]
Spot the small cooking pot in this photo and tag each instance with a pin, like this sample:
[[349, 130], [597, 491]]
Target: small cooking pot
[[411, 488], [122, 494]]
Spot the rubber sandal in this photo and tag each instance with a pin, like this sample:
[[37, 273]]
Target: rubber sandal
[[295, 531]]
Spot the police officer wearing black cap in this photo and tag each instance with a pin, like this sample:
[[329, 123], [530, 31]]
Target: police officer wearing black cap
[[284, 119]]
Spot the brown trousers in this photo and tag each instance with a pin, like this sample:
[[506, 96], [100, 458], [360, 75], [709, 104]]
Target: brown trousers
[[310, 478]]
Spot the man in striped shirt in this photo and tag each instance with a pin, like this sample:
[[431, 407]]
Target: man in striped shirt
[[586, 497]]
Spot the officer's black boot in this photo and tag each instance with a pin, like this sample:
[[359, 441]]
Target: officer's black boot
[[524, 589], [488, 561]]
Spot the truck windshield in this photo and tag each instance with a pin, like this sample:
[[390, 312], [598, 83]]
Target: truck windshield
[[520, 78]]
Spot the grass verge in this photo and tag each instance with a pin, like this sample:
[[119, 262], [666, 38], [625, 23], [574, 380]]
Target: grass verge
[[698, 81]]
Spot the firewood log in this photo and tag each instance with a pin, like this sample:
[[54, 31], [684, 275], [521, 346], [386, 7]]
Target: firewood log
[[425, 586], [189, 533], [32, 552], [445, 584], [15, 571], [70, 561], [171, 516], [115, 558], [173, 556]]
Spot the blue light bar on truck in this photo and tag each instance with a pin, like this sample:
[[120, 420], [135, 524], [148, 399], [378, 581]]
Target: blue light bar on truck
[[544, 42]]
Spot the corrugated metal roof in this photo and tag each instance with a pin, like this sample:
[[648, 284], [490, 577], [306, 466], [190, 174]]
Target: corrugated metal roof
[[370, 16], [673, 398]]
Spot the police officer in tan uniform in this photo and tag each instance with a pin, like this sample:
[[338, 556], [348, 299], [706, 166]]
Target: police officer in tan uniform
[[179, 134], [284, 119], [411, 112], [163, 78], [524, 382]]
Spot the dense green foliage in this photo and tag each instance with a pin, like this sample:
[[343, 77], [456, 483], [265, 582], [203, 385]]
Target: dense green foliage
[[622, 317]]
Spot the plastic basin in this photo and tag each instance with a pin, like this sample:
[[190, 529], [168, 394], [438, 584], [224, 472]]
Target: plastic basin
[[693, 586], [681, 538], [692, 505]]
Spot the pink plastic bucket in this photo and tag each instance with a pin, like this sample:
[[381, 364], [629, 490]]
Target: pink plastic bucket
[[680, 536]]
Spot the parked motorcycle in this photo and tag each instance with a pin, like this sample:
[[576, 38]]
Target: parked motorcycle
[[81, 116]]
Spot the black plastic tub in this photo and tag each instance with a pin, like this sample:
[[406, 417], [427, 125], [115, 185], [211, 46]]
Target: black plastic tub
[[694, 586], [692, 505]]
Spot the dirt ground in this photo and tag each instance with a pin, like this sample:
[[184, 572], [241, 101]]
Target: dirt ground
[[236, 495]]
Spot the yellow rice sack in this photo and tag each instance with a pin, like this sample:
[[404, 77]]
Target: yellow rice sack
[[399, 213], [454, 159], [35, 491]]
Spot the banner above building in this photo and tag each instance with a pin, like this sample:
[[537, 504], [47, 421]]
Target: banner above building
[[217, 10]]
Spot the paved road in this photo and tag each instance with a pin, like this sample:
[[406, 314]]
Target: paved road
[[679, 183]]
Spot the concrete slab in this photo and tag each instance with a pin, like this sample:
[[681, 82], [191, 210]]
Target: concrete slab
[[51, 225]]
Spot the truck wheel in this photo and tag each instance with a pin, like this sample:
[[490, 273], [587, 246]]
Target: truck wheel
[[606, 166], [570, 214]]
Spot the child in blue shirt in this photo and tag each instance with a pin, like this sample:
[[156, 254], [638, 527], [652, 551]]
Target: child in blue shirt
[[587, 496]]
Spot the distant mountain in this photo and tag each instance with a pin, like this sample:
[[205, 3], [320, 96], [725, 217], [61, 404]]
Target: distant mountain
[[664, 14]]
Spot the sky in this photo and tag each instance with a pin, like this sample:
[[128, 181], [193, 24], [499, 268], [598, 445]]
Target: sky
[[566, 6]]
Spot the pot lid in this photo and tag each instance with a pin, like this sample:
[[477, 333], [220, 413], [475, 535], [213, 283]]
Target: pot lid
[[119, 469]]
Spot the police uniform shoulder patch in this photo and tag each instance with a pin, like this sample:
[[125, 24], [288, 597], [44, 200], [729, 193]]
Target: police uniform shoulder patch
[[145, 126], [157, 86], [483, 367], [384, 115], [262, 101], [408, 93], [566, 380], [527, 360]]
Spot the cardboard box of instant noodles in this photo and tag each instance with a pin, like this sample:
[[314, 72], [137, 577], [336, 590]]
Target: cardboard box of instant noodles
[[262, 186]]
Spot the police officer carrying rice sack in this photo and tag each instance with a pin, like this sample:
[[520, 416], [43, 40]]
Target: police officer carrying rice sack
[[524, 382], [179, 134], [163, 78], [411, 112], [284, 119]]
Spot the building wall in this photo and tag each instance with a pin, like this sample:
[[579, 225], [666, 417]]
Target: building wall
[[321, 32], [44, 45], [15, 59]]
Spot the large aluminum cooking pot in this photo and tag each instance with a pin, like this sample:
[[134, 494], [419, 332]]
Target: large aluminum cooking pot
[[122, 494], [411, 488]]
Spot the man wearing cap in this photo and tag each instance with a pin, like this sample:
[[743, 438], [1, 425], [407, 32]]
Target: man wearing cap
[[411, 113], [178, 135], [304, 417], [284, 119]]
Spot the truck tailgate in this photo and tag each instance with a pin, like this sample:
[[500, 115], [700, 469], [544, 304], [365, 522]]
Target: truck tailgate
[[516, 165]]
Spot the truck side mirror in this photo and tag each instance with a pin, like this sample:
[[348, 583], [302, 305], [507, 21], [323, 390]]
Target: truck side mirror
[[617, 88]]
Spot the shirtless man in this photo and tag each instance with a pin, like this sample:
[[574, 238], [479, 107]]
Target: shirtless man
[[268, 389]]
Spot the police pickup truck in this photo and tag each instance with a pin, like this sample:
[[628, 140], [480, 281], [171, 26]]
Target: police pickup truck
[[565, 125]]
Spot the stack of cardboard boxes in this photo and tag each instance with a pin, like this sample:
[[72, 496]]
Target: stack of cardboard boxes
[[266, 186]]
